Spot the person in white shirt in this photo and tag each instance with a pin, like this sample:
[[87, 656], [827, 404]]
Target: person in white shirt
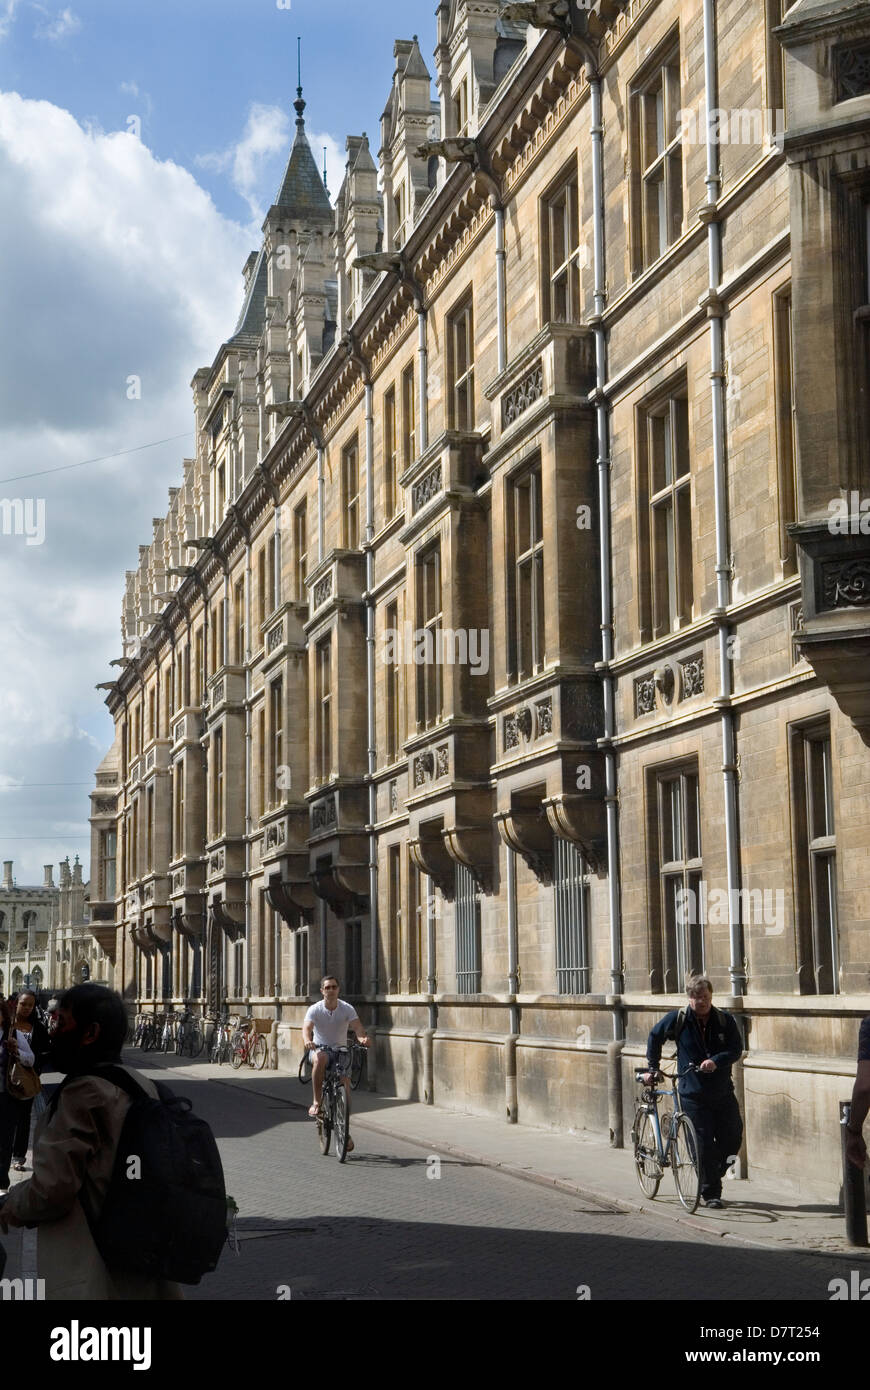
[[324, 1031]]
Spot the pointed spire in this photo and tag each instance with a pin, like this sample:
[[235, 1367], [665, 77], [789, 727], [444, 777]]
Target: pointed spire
[[299, 104], [325, 183]]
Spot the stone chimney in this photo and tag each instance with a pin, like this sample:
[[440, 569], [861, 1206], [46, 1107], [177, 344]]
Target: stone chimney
[[7, 873], [47, 880]]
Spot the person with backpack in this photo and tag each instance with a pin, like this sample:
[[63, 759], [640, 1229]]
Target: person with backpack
[[127, 1190], [708, 1045]]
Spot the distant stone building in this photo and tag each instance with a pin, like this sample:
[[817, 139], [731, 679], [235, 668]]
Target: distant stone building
[[496, 651], [45, 935]]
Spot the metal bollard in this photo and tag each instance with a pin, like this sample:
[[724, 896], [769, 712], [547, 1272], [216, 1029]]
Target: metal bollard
[[854, 1200]]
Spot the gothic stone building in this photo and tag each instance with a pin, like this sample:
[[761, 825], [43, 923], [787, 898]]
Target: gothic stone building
[[45, 935], [501, 649]]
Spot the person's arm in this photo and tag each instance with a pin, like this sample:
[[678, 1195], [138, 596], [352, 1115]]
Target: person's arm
[[308, 1030], [357, 1027], [22, 1049], [67, 1144], [656, 1040], [733, 1049], [856, 1149]]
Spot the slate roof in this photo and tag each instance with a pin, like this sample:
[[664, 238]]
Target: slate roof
[[302, 190], [252, 319]]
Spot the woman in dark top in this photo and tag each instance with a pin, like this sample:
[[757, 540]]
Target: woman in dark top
[[22, 1007]]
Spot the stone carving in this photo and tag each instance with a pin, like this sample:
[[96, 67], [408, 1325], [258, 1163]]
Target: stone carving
[[178, 731], [104, 807], [323, 589], [663, 678], [394, 796], [276, 637], [217, 694], [216, 863], [428, 487], [524, 722], [152, 757], [107, 779], [424, 768], [148, 894], [518, 400], [692, 677], [103, 913], [324, 813], [276, 834], [543, 717], [644, 695], [178, 878], [846, 584], [442, 761], [511, 732], [852, 68]]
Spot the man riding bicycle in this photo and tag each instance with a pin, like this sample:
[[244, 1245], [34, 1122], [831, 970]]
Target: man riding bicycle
[[324, 1032]]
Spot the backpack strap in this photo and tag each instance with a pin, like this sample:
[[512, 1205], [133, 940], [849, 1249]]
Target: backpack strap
[[678, 1026], [110, 1071]]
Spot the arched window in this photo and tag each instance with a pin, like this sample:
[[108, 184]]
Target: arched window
[[17, 979], [36, 977]]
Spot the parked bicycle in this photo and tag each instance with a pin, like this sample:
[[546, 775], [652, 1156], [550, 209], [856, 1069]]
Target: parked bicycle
[[220, 1043], [189, 1036], [665, 1141], [249, 1046], [167, 1032], [149, 1035]]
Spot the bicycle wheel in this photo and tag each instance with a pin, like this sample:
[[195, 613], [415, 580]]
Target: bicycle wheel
[[239, 1053], [180, 1040], [357, 1067], [685, 1161], [305, 1069], [324, 1125], [260, 1052], [341, 1122], [649, 1168]]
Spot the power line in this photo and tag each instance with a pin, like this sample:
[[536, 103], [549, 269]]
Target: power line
[[63, 467], [16, 786]]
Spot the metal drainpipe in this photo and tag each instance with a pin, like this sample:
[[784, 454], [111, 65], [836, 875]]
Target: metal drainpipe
[[715, 312], [321, 504], [423, 373], [604, 465], [510, 1078], [370, 681], [501, 295]]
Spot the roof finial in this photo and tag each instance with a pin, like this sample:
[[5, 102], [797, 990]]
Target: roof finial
[[325, 184], [299, 104]]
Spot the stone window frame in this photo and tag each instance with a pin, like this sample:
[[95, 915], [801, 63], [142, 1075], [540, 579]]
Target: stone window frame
[[409, 415], [300, 548], [430, 619], [531, 560], [351, 531], [813, 811], [675, 857], [177, 816], [393, 694], [655, 156], [300, 961], [277, 722], [459, 339], [395, 919], [562, 192], [665, 550], [218, 782], [774, 53], [469, 965], [786, 438], [391, 453], [571, 918], [239, 622], [323, 709]]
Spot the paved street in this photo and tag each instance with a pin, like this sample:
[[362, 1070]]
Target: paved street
[[379, 1228]]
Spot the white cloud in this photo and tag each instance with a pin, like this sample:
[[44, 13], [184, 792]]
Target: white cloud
[[122, 265], [256, 161], [56, 27], [266, 134], [7, 16]]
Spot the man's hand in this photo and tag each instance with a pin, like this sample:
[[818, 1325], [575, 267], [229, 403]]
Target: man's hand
[[707, 1065], [363, 1039], [856, 1150], [649, 1077]]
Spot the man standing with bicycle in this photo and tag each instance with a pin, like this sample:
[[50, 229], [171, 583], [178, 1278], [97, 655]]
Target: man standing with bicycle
[[708, 1045], [324, 1031]]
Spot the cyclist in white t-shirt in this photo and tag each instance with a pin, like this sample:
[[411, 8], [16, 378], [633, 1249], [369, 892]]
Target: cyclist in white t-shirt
[[324, 1031]]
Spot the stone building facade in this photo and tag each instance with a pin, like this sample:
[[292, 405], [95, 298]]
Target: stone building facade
[[45, 935], [495, 651]]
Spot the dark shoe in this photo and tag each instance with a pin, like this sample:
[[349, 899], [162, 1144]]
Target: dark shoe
[[19, 1165], [715, 1202]]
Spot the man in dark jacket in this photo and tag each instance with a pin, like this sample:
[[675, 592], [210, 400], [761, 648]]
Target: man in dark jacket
[[708, 1038]]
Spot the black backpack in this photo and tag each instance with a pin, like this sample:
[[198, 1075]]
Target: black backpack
[[165, 1211]]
